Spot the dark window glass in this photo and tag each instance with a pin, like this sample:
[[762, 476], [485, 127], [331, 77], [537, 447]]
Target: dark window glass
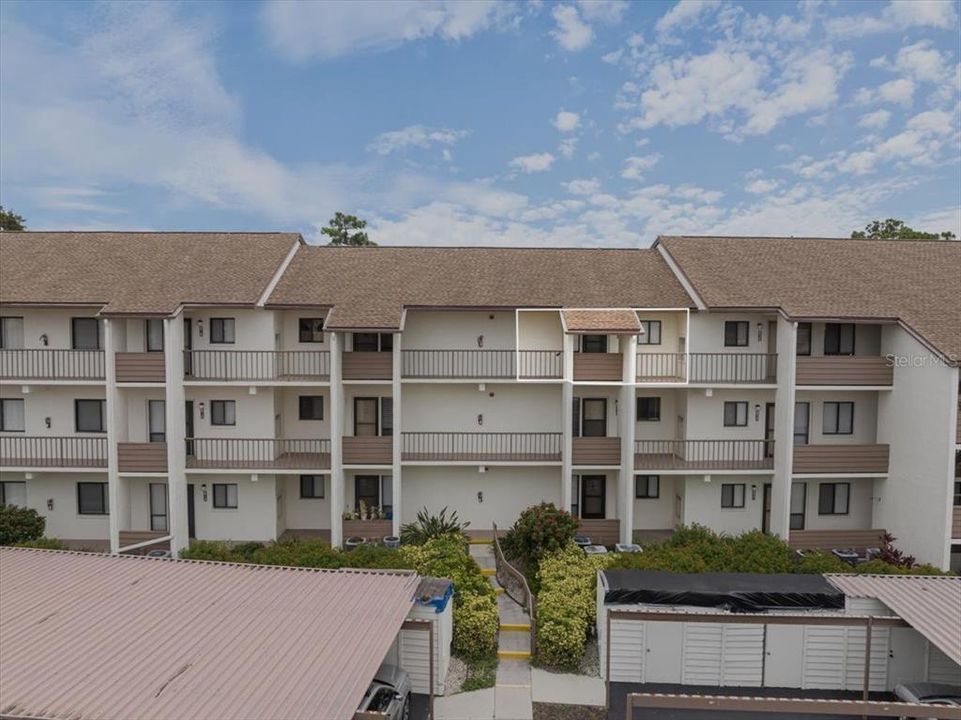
[[157, 420], [833, 498], [648, 409], [373, 342], [594, 417], [647, 487], [85, 334], [957, 493], [311, 330], [804, 338], [838, 418], [386, 342], [735, 333], [735, 414], [311, 486], [11, 415], [366, 488], [386, 416], [365, 417], [89, 415], [223, 412], [839, 339], [802, 413], [311, 407], [732, 495], [576, 418], [154, 332], [594, 344], [92, 498], [222, 330], [11, 333], [651, 334], [225, 495]]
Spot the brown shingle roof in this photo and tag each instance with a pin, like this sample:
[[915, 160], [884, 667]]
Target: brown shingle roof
[[370, 287], [601, 321], [139, 272], [918, 283]]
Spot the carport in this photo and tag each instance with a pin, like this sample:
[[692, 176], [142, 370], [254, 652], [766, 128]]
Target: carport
[[86, 635]]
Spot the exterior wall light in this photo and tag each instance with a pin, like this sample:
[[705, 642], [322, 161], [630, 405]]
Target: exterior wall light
[[200, 327], [203, 491], [49, 503], [44, 340], [757, 412], [47, 422], [480, 418], [480, 496], [480, 341]]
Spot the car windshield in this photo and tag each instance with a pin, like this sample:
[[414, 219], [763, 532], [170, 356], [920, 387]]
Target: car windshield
[[381, 700]]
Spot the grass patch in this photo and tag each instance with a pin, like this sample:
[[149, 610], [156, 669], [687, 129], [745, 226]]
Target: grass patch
[[481, 673], [554, 711]]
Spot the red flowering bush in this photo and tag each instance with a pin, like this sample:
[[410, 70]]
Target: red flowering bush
[[540, 530]]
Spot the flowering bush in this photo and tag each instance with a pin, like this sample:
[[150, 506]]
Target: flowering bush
[[475, 626], [540, 529]]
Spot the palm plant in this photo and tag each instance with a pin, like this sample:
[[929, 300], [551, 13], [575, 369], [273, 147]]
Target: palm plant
[[429, 526]]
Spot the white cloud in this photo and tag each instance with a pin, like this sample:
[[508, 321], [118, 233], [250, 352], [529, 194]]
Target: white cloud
[[935, 122], [921, 61], [897, 91], [875, 120], [584, 186], [897, 15], [571, 33], [299, 31], [420, 136], [684, 14], [761, 186], [608, 11], [567, 121], [636, 165], [567, 147], [538, 162]]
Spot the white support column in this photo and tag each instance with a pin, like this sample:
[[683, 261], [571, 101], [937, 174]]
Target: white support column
[[395, 489], [176, 428], [336, 440], [626, 428], [783, 428], [567, 419], [114, 410]]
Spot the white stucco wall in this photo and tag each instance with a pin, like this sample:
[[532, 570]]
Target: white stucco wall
[[52, 401], [287, 403], [702, 502], [707, 332], [860, 505], [527, 407], [304, 513], [253, 329], [255, 517], [705, 415], [254, 413], [673, 328], [657, 513], [865, 416], [287, 325], [52, 322], [539, 330], [425, 330], [672, 404], [63, 521]]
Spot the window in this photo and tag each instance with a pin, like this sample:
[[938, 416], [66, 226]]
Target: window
[[803, 339], [732, 495], [11, 333], [154, 333], [798, 501], [802, 413], [647, 487], [365, 417], [311, 487], [157, 420], [222, 330], [225, 496], [13, 493], [651, 334], [223, 412], [838, 418], [366, 490], [387, 495], [89, 415], [92, 498], [593, 417], [735, 414], [85, 334], [576, 496], [735, 333], [839, 339], [957, 493], [311, 330], [373, 342], [11, 415], [648, 409], [386, 416], [833, 498], [158, 507], [311, 407], [594, 344]]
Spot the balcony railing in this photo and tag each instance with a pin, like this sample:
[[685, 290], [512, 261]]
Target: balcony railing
[[844, 370], [480, 447], [142, 457], [703, 455], [596, 451], [841, 458], [661, 367], [732, 368], [45, 364], [258, 454], [598, 367], [366, 365], [253, 365], [59, 452], [138, 367], [368, 450], [480, 364]]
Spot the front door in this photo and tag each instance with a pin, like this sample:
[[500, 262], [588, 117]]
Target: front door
[[593, 497], [766, 517], [188, 346], [769, 430], [366, 489], [365, 417], [189, 426], [191, 515]]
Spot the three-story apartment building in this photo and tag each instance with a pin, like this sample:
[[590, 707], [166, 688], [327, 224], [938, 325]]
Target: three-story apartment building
[[162, 387]]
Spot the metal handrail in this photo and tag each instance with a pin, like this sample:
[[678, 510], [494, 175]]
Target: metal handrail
[[53, 451], [446, 446], [515, 585], [704, 454], [720, 367], [506, 364], [51, 364], [224, 365]]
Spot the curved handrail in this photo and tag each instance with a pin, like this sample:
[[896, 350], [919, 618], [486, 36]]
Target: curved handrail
[[515, 585]]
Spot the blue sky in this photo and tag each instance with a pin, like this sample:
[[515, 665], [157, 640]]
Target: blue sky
[[570, 123]]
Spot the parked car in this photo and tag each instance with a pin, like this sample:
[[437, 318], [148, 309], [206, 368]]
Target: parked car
[[389, 693], [925, 693]]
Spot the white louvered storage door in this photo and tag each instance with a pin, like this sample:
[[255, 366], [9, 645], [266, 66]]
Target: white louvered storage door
[[627, 650], [723, 655], [743, 655], [941, 668], [703, 646], [834, 658]]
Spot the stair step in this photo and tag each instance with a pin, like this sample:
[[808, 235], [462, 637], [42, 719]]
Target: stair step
[[515, 627], [488, 572], [481, 541], [498, 590], [514, 654]]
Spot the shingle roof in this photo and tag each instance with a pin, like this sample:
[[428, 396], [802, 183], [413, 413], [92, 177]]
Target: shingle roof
[[917, 283], [931, 605], [601, 321], [139, 272], [87, 636], [370, 287]]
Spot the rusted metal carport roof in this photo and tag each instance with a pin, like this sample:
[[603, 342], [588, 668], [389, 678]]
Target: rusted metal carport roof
[[85, 636]]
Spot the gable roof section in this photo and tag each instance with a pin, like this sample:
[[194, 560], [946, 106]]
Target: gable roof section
[[369, 288], [139, 272], [619, 320], [916, 283]]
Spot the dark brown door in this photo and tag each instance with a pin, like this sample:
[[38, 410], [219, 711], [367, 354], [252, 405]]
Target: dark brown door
[[366, 488], [769, 430], [766, 518], [189, 426], [365, 417], [593, 497], [191, 515], [188, 345]]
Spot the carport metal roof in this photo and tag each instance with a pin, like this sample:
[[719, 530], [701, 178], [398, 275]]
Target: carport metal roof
[[86, 636]]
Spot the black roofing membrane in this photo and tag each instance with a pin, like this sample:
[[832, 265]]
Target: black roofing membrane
[[736, 592]]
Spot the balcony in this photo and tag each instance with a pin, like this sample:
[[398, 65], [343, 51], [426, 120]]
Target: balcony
[[258, 454], [140, 367], [598, 367], [708, 368], [827, 540], [368, 450], [482, 364], [52, 365], [703, 455], [480, 447], [53, 452], [142, 457], [368, 366], [661, 367], [841, 459], [844, 370], [256, 365], [596, 451], [601, 532]]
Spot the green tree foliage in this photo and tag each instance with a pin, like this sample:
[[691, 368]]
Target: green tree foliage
[[347, 230], [9, 220], [428, 526], [540, 529], [893, 229], [19, 524]]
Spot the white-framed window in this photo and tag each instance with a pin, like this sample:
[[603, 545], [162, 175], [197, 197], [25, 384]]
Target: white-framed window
[[11, 415], [647, 487], [223, 412], [222, 331], [732, 495], [225, 496], [736, 333], [13, 492], [651, 334]]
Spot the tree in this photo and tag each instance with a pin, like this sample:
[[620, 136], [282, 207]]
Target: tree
[[347, 230], [892, 229], [9, 220]]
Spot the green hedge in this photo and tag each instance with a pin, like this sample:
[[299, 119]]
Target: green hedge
[[44, 543], [296, 553], [19, 524]]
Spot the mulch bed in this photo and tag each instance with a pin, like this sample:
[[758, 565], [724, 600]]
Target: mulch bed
[[550, 711]]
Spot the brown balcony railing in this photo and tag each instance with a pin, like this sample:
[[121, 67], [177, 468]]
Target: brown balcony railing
[[140, 367], [661, 367], [481, 447], [596, 451], [844, 370], [601, 367], [368, 365], [956, 523], [258, 453], [45, 364], [59, 452], [703, 455], [732, 368], [841, 458], [142, 457], [506, 364], [368, 450], [243, 365]]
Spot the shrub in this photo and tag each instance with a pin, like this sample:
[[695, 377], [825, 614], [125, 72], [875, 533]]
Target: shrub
[[219, 550], [44, 543], [428, 527], [475, 626], [759, 553], [819, 563], [540, 530], [299, 553], [19, 524], [374, 557], [878, 567], [892, 556], [447, 557]]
